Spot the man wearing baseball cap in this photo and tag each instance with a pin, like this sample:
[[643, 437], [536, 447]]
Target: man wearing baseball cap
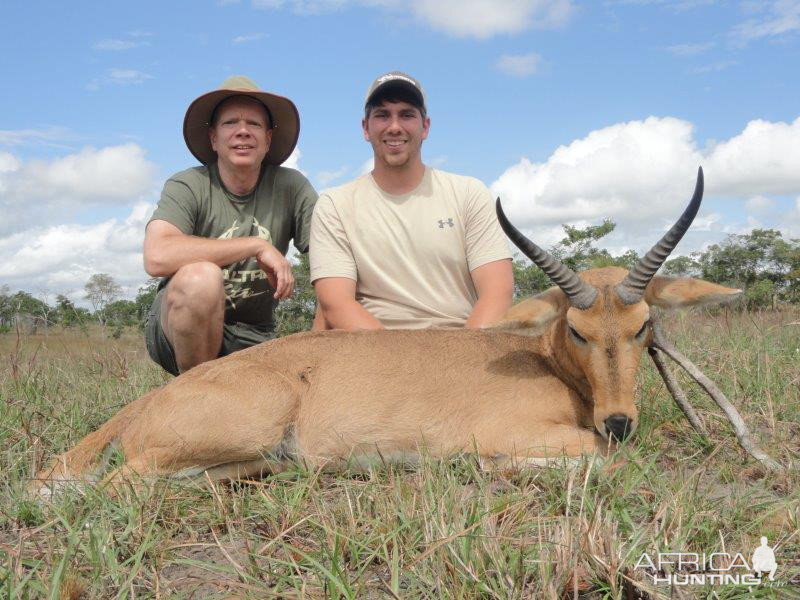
[[220, 231], [407, 246]]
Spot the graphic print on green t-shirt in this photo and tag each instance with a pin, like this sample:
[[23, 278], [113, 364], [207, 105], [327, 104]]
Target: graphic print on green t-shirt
[[244, 279]]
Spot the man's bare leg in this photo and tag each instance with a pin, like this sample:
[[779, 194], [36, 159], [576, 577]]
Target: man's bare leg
[[193, 313]]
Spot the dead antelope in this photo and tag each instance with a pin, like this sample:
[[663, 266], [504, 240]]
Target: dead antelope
[[554, 378]]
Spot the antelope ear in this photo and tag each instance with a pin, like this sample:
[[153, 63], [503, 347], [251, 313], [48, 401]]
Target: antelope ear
[[534, 315], [672, 292]]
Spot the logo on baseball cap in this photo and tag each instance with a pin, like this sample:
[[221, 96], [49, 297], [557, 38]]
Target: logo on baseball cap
[[398, 79]]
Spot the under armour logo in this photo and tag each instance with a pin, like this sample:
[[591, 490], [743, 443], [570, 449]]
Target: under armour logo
[[442, 223]]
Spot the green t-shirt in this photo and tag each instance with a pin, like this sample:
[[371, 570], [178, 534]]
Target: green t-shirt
[[278, 210]]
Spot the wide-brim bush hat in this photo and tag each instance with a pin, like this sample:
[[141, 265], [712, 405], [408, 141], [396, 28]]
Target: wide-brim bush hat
[[285, 120]]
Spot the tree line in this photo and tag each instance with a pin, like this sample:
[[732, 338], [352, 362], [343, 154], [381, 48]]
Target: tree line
[[22, 309], [762, 263]]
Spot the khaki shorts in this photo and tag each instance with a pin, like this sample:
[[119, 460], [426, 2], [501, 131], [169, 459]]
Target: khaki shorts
[[235, 336]]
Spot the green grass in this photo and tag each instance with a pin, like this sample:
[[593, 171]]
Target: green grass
[[445, 530]]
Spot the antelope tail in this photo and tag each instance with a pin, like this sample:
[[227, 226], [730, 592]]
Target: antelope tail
[[88, 459]]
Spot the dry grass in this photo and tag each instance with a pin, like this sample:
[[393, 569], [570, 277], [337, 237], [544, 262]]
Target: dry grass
[[445, 530]]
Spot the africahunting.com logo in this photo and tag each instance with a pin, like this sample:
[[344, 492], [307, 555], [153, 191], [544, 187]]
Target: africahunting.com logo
[[717, 568]]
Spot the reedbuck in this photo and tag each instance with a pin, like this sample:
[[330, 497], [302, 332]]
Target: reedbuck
[[554, 378]]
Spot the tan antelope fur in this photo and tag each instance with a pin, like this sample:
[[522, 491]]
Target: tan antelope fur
[[552, 379]]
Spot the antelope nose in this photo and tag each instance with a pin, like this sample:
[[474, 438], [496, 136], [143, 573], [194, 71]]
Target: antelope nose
[[619, 426]]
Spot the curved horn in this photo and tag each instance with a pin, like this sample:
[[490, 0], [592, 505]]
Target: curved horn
[[631, 289], [581, 295]]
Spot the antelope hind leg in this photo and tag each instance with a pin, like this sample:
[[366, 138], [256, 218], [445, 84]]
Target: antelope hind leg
[[186, 428], [87, 460], [214, 430]]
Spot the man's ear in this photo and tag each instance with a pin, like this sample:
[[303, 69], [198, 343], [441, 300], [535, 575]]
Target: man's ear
[[672, 292], [534, 315]]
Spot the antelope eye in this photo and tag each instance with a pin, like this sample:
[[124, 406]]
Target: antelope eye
[[643, 330], [576, 335]]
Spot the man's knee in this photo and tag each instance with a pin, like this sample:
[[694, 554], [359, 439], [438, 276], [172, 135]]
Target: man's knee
[[196, 287]]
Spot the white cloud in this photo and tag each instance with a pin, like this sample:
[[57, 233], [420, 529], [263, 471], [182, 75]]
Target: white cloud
[[293, 162], [134, 39], [792, 220], [46, 136], [779, 17], [251, 37], [759, 204], [674, 5], [8, 163], [521, 65], [128, 76], [706, 222], [113, 172], [684, 50], [485, 18], [61, 258], [308, 7], [763, 159], [641, 173], [326, 177], [119, 77], [367, 166], [460, 18], [115, 175], [603, 174], [715, 67], [116, 45]]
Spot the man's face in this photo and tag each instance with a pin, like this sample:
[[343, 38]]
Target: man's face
[[240, 136], [396, 131]]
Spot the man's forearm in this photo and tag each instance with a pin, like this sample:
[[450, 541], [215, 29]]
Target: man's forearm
[[174, 252], [488, 310], [319, 320], [349, 314]]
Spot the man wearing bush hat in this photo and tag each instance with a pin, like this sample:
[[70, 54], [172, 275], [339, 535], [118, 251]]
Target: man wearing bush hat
[[220, 232], [407, 246]]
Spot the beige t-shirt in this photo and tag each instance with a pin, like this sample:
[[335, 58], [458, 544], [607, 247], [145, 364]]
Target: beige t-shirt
[[410, 255]]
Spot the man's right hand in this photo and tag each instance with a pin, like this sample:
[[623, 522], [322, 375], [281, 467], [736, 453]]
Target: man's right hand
[[278, 271]]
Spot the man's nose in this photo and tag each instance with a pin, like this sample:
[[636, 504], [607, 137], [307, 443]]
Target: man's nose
[[394, 124], [242, 128]]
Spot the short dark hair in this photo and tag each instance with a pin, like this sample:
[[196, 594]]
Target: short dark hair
[[214, 116], [390, 93]]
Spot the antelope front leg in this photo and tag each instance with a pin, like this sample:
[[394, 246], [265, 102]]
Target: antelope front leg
[[551, 445]]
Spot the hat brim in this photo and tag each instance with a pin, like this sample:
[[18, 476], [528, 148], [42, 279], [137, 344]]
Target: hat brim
[[285, 124]]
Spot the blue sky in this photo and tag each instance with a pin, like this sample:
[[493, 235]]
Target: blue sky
[[571, 111]]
